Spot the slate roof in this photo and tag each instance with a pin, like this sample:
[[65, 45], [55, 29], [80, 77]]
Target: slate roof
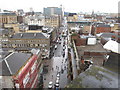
[[108, 35], [4, 71], [15, 61], [30, 36], [3, 31], [113, 61], [96, 77], [4, 54], [103, 25], [7, 13], [71, 14]]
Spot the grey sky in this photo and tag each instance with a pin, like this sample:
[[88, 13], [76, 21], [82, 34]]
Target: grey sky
[[69, 5]]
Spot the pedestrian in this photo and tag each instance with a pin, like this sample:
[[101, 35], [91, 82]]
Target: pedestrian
[[103, 62], [52, 68], [65, 67], [52, 76]]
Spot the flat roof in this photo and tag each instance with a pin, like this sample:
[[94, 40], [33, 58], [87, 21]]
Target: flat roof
[[90, 48]]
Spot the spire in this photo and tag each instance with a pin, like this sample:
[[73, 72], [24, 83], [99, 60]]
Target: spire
[[92, 12]]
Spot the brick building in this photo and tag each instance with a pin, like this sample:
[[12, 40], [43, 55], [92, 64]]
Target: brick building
[[102, 28], [21, 70]]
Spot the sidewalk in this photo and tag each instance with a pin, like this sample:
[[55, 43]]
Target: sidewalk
[[73, 64]]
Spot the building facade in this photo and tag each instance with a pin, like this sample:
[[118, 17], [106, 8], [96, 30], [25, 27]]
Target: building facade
[[27, 41], [36, 19], [102, 28], [52, 21], [52, 11], [8, 18]]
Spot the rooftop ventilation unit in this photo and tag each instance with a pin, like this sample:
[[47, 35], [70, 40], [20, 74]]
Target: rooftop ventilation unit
[[91, 41]]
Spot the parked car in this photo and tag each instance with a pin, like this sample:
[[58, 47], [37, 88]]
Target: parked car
[[58, 78], [55, 47], [63, 48], [57, 83], [64, 54], [58, 74], [59, 42], [50, 86]]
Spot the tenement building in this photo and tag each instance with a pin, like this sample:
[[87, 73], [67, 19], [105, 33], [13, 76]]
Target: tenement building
[[52, 21], [8, 18], [27, 41]]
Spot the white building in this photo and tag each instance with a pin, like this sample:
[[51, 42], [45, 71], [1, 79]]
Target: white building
[[35, 20]]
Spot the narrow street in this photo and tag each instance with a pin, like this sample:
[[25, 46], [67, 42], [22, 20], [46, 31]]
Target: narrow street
[[56, 64], [73, 65]]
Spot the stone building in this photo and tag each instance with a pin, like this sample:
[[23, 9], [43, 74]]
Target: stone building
[[27, 41], [52, 21], [8, 18]]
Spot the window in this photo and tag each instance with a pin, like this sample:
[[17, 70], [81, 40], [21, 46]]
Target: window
[[33, 67], [26, 79]]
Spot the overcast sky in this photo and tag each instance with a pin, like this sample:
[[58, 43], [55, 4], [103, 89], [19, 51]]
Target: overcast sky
[[69, 5]]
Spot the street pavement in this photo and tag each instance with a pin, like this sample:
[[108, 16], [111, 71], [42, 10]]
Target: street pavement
[[55, 64]]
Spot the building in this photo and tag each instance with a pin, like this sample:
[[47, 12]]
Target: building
[[105, 37], [94, 53], [52, 11], [79, 23], [21, 70], [20, 12], [86, 29], [36, 19], [20, 19], [27, 41], [90, 49], [52, 32], [102, 28], [96, 77], [8, 18], [72, 17], [14, 27], [115, 26], [52, 21]]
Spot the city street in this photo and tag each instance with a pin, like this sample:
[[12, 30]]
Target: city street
[[56, 64]]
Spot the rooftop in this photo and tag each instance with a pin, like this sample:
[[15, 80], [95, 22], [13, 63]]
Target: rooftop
[[98, 48], [13, 62], [96, 77], [71, 14], [91, 48], [7, 13], [30, 36], [107, 35], [103, 25], [112, 46]]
